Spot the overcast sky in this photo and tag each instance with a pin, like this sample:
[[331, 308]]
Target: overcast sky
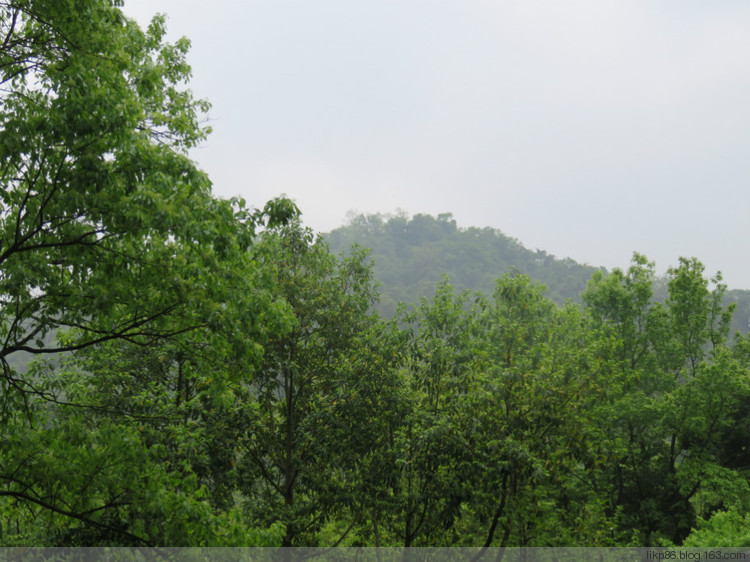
[[589, 129]]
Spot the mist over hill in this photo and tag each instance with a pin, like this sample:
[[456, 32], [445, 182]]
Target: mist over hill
[[412, 254]]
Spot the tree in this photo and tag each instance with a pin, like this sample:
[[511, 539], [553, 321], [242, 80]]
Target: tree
[[430, 484], [676, 391], [542, 374], [288, 408], [112, 249], [723, 529], [106, 226], [492, 419], [87, 479]]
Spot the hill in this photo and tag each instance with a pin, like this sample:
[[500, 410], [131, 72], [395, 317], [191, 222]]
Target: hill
[[412, 254]]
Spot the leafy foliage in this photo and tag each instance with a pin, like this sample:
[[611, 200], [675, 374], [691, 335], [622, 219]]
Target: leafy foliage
[[182, 370], [724, 528], [112, 249]]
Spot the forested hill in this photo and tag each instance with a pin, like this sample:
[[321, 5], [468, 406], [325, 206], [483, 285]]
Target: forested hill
[[412, 254]]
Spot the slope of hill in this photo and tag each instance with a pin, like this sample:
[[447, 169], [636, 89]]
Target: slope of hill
[[741, 319], [412, 254]]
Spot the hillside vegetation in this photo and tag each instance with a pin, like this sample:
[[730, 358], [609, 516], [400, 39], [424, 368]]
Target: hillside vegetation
[[412, 254]]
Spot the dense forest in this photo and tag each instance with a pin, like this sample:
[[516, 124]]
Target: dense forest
[[179, 369]]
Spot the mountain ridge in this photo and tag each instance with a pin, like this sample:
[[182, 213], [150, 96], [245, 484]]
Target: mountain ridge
[[412, 254]]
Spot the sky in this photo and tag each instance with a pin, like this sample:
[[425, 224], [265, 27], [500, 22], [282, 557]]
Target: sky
[[588, 129]]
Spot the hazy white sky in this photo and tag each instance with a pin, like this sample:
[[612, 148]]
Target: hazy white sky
[[589, 129]]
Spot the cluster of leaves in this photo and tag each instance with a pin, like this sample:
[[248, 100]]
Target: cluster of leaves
[[205, 374]]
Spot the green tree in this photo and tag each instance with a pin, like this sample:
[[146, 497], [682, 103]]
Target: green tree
[[288, 469], [361, 416], [89, 480], [429, 488], [112, 249], [723, 529], [106, 226], [675, 391], [541, 375]]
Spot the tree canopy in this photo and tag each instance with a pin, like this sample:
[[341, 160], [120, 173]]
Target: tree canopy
[[182, 370]]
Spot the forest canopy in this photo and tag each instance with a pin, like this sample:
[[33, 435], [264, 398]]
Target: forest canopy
[[182, 370]]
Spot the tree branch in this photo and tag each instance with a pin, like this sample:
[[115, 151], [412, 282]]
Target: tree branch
[[81, 517]]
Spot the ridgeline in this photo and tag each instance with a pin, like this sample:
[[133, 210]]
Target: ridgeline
[[412, 254]]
